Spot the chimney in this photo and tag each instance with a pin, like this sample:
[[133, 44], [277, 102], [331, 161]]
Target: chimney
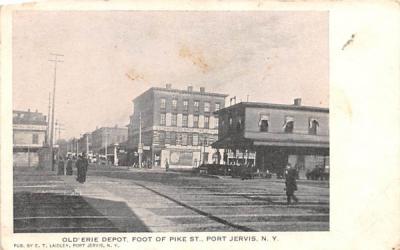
[[202, 89], [297, 102], [168, 86], [190, 88]]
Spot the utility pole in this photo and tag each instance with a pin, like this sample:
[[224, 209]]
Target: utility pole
[[140, 146], [87, 144], [106, 145], [48, 121], [204, 148], [77, 147], [58, 127], [55, 60]]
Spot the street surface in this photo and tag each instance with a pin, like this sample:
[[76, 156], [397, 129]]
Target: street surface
[[149, 200]]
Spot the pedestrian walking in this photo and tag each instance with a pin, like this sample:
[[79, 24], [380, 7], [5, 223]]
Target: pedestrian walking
[[291, 185], [218, 157], [225, 158], [60, 166], [82, 166], [69, 166], [166, 165]]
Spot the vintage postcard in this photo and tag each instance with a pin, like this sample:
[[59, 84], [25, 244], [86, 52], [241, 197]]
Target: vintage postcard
[[166, 125]]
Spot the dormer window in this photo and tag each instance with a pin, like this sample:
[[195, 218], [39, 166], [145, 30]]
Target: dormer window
[[313, 126], [288, 126], [263, 123]]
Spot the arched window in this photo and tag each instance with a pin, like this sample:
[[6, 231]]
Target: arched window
[[288, 126], [313, 126]]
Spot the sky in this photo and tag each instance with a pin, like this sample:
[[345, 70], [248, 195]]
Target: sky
[[110, 57]]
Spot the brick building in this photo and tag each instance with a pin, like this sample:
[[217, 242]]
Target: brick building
[[177, 125], [276, 134], [29, 137]]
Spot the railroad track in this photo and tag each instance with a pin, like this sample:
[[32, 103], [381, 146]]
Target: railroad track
[[125, 202]]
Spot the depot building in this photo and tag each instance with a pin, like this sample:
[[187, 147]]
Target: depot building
[[272, 135]]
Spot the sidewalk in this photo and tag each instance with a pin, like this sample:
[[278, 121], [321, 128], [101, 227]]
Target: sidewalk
[[45, 202]]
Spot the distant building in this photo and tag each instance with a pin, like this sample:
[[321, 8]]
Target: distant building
[[85, 143], [275, 134], [178, 126], [29, 136], [104, 137]]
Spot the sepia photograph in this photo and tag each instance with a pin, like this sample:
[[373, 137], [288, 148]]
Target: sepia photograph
[[170, 121]]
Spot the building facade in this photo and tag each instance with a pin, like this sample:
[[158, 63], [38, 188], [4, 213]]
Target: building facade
[[29, 137], [177, 126], [85, 143], [103, 137], [276, 134]]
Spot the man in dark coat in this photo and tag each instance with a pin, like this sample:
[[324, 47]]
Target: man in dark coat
[[166, 165], [60, 166], [69, 166], [82, 166], [218, 157], [225, 157], [291, 185]]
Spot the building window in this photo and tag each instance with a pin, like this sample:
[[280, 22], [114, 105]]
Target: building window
[[167, 137], [203, 139], [35, 139], [195, 121], [216, 120], [289, 124], [196, 105], [185, 105], [162, 138], [217, 106], [173, 138], [185, 121], [312, 127], [162, 103], [206, 122], [162, 119], [174, 118], [174, 104], [178, 138], [206, 107], [184, 141], [190, 139], [263, 122], [195, 139], [230, 122], [239, 124]]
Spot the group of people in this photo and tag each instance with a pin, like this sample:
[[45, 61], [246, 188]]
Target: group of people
[[81, 165]]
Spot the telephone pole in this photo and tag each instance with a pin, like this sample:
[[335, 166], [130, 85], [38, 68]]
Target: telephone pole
[[48, 121], [87, 143], [140, 146], [55, 60]]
